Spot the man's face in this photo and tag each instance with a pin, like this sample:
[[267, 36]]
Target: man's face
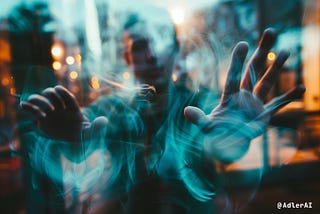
[[150, 52]]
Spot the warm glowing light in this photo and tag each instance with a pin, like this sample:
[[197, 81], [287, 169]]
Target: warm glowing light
[[12, 91], [95, 83], [271, 56], [70, 60], [57, 51], [126, 75], [93, 96], [73, 75], [78, 58], [56, 65], [5, 81], [177, 15], [75, 89], [174, 77]]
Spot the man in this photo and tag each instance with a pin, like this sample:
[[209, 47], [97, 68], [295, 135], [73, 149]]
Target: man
[[162, 148]]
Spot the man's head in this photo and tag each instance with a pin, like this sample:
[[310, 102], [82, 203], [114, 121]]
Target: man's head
[[150, 47]]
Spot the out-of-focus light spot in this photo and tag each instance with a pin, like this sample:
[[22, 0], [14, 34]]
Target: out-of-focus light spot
[[5, 81], [126, 75], [95, 83], [177, 15], [271, 56], [75, 89], [73, 75], [12, 91], [70, 60], [57, 51], [56, 65], [93, 96], [78, 58], [174, 77]]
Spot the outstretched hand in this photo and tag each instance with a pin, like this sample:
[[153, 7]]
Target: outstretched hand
[[59, 116], [241, 114]]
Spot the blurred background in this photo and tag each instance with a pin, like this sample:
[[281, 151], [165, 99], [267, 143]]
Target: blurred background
[[76, 43]]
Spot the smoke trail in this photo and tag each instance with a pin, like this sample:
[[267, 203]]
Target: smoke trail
[[109, 163]]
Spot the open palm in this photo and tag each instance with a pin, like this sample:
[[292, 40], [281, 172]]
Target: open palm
[[242, 114]]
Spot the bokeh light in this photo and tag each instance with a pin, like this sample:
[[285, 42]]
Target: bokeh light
[[5, 81], [177, 15], [56, 65], [174, 77], [57, 51], [73, 75], [126, 75], [271, 56], [78, 58], [70, 60], [95, 82]]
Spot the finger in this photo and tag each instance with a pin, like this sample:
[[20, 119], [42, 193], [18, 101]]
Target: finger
[[256, 64], [33, 109], [95, 129], [54, 98], [267, 81], [99, 123], [284, 99], [41, 102], [234, 74], [68, 98], [195, 115]]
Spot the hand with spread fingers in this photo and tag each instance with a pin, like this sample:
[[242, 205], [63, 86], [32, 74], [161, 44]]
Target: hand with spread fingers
[[59, 115], [242, 114]]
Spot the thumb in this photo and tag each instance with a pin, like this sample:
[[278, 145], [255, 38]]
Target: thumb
[[99, 123], [96, 128], [195, 115]]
